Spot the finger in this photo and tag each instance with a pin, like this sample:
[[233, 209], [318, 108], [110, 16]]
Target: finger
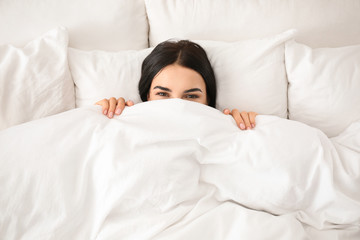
[[104, 104], [245, 117], [112, 105], [252, 116], [239, 121], [226, 111], [129, 103], [120, 106]]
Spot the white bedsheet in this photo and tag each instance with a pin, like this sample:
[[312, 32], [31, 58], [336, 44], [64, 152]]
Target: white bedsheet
[[174, 169]]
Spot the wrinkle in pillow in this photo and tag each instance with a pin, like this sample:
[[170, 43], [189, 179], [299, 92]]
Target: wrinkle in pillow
[[324, 86], [35, 81]]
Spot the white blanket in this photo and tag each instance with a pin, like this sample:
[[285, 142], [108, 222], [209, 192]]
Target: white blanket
[[174, 169]]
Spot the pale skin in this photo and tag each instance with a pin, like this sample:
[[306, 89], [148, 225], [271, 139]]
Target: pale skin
[[176, 81]]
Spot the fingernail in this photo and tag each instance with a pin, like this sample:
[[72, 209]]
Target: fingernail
[[105, 111], [252, 125], [248, 128], [111, 114], [242, 126], [118, 111]]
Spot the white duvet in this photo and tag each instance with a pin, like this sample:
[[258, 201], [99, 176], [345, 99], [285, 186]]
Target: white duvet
[[174, 169]]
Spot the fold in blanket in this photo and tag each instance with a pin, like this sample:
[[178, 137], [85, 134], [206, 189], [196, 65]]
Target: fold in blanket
[[174, 169]]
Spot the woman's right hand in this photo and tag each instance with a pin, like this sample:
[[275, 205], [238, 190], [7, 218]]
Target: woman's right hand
[[113, 106]]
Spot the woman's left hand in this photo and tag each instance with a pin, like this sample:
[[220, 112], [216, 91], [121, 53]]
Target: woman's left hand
[[244, 120]]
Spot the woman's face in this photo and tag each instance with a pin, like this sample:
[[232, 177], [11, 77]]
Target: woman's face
[[175, 81]]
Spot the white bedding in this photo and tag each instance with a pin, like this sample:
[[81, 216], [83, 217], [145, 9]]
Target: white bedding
[[174, 169]]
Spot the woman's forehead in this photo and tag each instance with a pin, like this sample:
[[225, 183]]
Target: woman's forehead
[[176, 75]]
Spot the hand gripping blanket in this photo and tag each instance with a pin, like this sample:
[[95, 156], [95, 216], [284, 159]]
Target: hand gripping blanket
[[174, 169]]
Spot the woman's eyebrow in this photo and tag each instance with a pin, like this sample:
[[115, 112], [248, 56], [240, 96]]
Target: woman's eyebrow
[[163, 88], [193, 90]]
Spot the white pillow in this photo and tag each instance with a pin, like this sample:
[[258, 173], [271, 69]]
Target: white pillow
[[99, 74], [110, 25], [35, 81], [250, 74], [319, 22], [324, 86]]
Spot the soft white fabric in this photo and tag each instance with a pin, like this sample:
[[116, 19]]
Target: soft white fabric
[[250, 74], [321, 23], [99, 74], [324, 86], [175, 169], [107, 25], [35, 81]]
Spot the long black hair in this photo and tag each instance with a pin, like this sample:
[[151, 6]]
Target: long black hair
[[185, 53]]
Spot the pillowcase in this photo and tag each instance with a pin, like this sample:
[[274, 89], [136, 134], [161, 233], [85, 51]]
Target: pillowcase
[[235, 20], [99, 74], [250, 74], [110, 25], [324, 86], [35, 81]]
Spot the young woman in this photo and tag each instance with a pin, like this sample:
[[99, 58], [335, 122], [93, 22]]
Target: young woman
[[177, 70]]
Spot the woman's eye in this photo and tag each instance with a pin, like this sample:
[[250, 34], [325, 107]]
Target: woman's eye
[[162, 94], [192, 96]]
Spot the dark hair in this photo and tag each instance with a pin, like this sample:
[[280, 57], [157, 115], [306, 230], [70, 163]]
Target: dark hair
[[185, 53]]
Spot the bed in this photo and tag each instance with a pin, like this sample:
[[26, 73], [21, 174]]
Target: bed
[[175, 169]]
